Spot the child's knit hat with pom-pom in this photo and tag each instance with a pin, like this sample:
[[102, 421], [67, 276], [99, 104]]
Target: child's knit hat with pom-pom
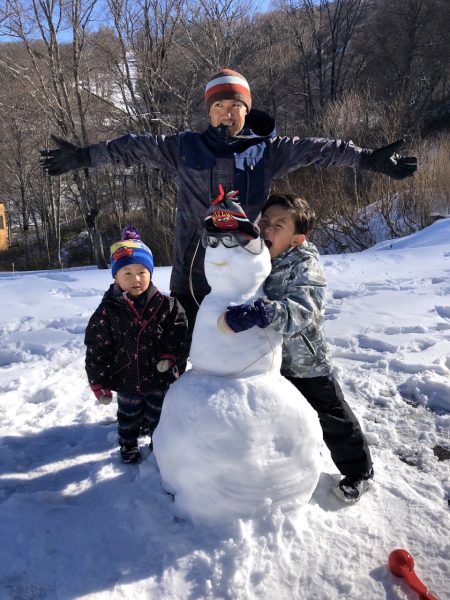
[[130, 250]]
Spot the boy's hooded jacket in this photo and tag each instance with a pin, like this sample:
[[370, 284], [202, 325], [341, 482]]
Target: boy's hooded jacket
[[200, 162], [297, 284], [124, 343]]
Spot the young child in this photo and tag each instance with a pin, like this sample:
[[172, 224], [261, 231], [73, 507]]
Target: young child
[[295, 290], [133, 341]]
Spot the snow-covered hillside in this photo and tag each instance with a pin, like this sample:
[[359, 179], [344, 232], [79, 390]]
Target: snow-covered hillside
[[77, 523]]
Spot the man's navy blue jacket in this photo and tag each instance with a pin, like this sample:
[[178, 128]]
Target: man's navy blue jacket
[[248, 162]]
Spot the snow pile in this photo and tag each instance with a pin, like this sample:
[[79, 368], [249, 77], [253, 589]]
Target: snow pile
[[77, 523], [228, 450]]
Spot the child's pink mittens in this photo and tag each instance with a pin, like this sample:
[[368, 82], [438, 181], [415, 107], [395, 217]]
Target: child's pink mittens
[[165, 363], [103, 395]]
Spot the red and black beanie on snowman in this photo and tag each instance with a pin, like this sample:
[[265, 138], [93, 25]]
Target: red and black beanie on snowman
[[227, 222]]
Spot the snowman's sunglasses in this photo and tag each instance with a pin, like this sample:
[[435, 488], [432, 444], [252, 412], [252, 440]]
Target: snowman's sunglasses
[[213, 241], [254, 245]]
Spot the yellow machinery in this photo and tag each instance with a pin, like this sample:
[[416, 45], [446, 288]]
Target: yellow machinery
[[3, 229]]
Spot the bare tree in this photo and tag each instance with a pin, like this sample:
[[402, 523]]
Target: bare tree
[[322, 31], [148, 95], [57, 75], [409, 55], [269, 70], [17, 142], [217, 31]]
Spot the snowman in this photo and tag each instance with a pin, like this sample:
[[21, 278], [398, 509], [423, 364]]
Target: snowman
[[235, 436]]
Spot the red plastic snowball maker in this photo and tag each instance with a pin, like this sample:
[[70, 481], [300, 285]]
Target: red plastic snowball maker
[[401, 564]]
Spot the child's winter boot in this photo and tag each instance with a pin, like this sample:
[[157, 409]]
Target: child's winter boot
[[129, 452]]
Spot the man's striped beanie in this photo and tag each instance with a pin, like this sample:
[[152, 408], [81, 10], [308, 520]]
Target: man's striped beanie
[[227, 84]]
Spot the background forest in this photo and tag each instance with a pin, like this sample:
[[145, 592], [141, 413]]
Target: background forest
[[87, 70]]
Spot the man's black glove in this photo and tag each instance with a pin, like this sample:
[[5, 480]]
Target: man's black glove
[[66, 157], [386, 160]]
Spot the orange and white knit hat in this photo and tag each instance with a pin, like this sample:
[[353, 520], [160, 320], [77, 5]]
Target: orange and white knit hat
[[227, 84]]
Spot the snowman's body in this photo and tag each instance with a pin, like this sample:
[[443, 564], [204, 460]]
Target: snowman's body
[[235, 277], [234, 434]]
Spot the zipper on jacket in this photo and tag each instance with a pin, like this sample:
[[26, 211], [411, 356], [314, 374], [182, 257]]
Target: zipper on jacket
[[141, 328], [130, 303], [308, 343], [247, 192]]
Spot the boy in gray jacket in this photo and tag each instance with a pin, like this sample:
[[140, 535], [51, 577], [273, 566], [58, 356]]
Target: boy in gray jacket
[[295, 290]]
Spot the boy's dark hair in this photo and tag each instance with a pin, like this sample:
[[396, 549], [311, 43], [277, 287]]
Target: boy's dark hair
[[304, 216]]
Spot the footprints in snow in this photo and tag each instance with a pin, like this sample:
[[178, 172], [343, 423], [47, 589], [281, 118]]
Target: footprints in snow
[[443, 312], [41, 340], [67, 292], [427, 379]]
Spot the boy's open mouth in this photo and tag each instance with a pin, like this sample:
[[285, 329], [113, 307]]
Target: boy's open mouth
[[268, 243]]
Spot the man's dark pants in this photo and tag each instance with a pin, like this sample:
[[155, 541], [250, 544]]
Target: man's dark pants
[[191, 306]]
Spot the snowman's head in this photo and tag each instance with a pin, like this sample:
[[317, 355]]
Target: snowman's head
[[236, 257], [235, 270]]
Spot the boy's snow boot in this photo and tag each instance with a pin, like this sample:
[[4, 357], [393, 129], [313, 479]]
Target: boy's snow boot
[[351, 488], [129, 452]]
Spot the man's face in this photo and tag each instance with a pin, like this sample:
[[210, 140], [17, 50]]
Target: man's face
[[230, 113]]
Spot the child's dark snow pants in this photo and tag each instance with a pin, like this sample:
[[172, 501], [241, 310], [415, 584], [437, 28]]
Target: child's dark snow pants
[[131, 413], [341, 430]]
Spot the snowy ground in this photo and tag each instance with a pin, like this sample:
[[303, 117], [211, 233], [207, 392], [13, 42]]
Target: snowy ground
[[76, 523]]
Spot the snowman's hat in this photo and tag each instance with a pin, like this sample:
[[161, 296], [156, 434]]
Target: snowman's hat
[[226, 221]]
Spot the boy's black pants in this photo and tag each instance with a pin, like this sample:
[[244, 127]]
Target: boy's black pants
[[341, 430]]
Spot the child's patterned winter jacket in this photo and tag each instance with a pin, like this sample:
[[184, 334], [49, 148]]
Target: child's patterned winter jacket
[[125, 343]]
